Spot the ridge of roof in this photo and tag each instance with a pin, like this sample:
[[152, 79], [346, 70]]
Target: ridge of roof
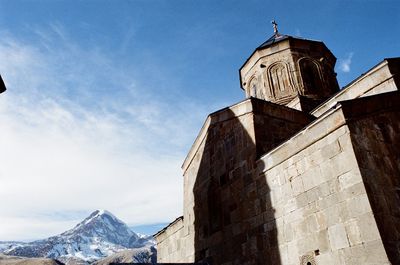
[[273, 39]]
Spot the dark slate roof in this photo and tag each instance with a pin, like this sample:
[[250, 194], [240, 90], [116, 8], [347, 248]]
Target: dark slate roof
[[277, 37]]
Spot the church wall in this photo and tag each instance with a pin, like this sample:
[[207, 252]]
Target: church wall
[[214, 181], [319, 208], [376, 138], [221, 188], [171, 242]]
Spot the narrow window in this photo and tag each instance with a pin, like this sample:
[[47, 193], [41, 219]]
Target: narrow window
[[311, 76]]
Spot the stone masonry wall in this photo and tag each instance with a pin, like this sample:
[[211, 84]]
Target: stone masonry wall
[[376, 140], [225, 199], [327, 195], [319, 210], [220, 200], [171, 242]]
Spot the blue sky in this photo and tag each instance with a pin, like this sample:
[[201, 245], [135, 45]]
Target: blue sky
[[106, 97]]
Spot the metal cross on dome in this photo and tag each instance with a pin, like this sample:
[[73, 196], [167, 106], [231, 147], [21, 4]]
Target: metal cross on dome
[[275, 26]]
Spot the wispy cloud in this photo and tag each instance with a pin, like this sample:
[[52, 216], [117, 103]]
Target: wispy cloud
[[78, 133], [345, 63]]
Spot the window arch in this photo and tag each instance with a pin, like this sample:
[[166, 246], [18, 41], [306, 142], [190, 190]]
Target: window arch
[[279, 79], [253, 87], [311, 76]]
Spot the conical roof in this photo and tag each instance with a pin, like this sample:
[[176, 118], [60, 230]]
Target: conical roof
[[277, 37]]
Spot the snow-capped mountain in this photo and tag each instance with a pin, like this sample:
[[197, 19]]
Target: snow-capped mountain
[[99, 235], [4, 245]]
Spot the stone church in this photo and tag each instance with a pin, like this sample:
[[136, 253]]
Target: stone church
[[300, 172]]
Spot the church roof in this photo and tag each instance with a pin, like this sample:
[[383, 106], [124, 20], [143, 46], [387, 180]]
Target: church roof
[[277, 37]]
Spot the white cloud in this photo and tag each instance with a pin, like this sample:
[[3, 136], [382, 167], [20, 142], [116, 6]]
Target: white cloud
[[345, 64], [69, 145]]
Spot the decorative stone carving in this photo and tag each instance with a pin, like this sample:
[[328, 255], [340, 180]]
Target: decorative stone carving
[[307, 260], [253, 87], [279, 80]]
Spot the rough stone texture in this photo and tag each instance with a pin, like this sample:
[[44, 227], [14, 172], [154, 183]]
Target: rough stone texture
[[224, 181], [321, 200], [171, 242], [376, 139], [289, 68], [270, 184]]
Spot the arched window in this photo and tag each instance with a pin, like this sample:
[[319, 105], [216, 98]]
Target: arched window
[[253, 86], [279, 80], [311, 76]]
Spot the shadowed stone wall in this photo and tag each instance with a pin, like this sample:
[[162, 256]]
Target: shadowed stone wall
[[228, 199], [226, 204], [376, 137], [328, 194], [322, 210]]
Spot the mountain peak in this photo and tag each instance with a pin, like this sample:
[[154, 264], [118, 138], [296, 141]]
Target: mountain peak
[[102, 223], [102, 212], [99, 213], [98, 235]]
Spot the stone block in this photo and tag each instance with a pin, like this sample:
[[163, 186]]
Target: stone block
[[293, 216], [311, 221], [322, 240], [310, 208], [344, 162], [290, 206], [292, 171], [297, 185], [328, 170], [322, 222], [326, 258], [326, 202], [300, 228], [350, 178], [354, 190], [337, 213], [353, 232], [375, 253], [337, 236], [330, 150], [300, 166], [301, 200], [358, 205], [293, 252], [288, 232], [367, 226], [312, 195], [311, 178]]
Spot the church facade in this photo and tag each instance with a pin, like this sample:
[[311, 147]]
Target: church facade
[[298, 173]]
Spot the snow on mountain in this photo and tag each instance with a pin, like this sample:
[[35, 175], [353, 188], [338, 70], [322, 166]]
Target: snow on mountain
[[100, 235], [10, 244]]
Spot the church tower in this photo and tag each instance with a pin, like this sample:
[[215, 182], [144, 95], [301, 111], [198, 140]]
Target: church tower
[[286, 69]]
